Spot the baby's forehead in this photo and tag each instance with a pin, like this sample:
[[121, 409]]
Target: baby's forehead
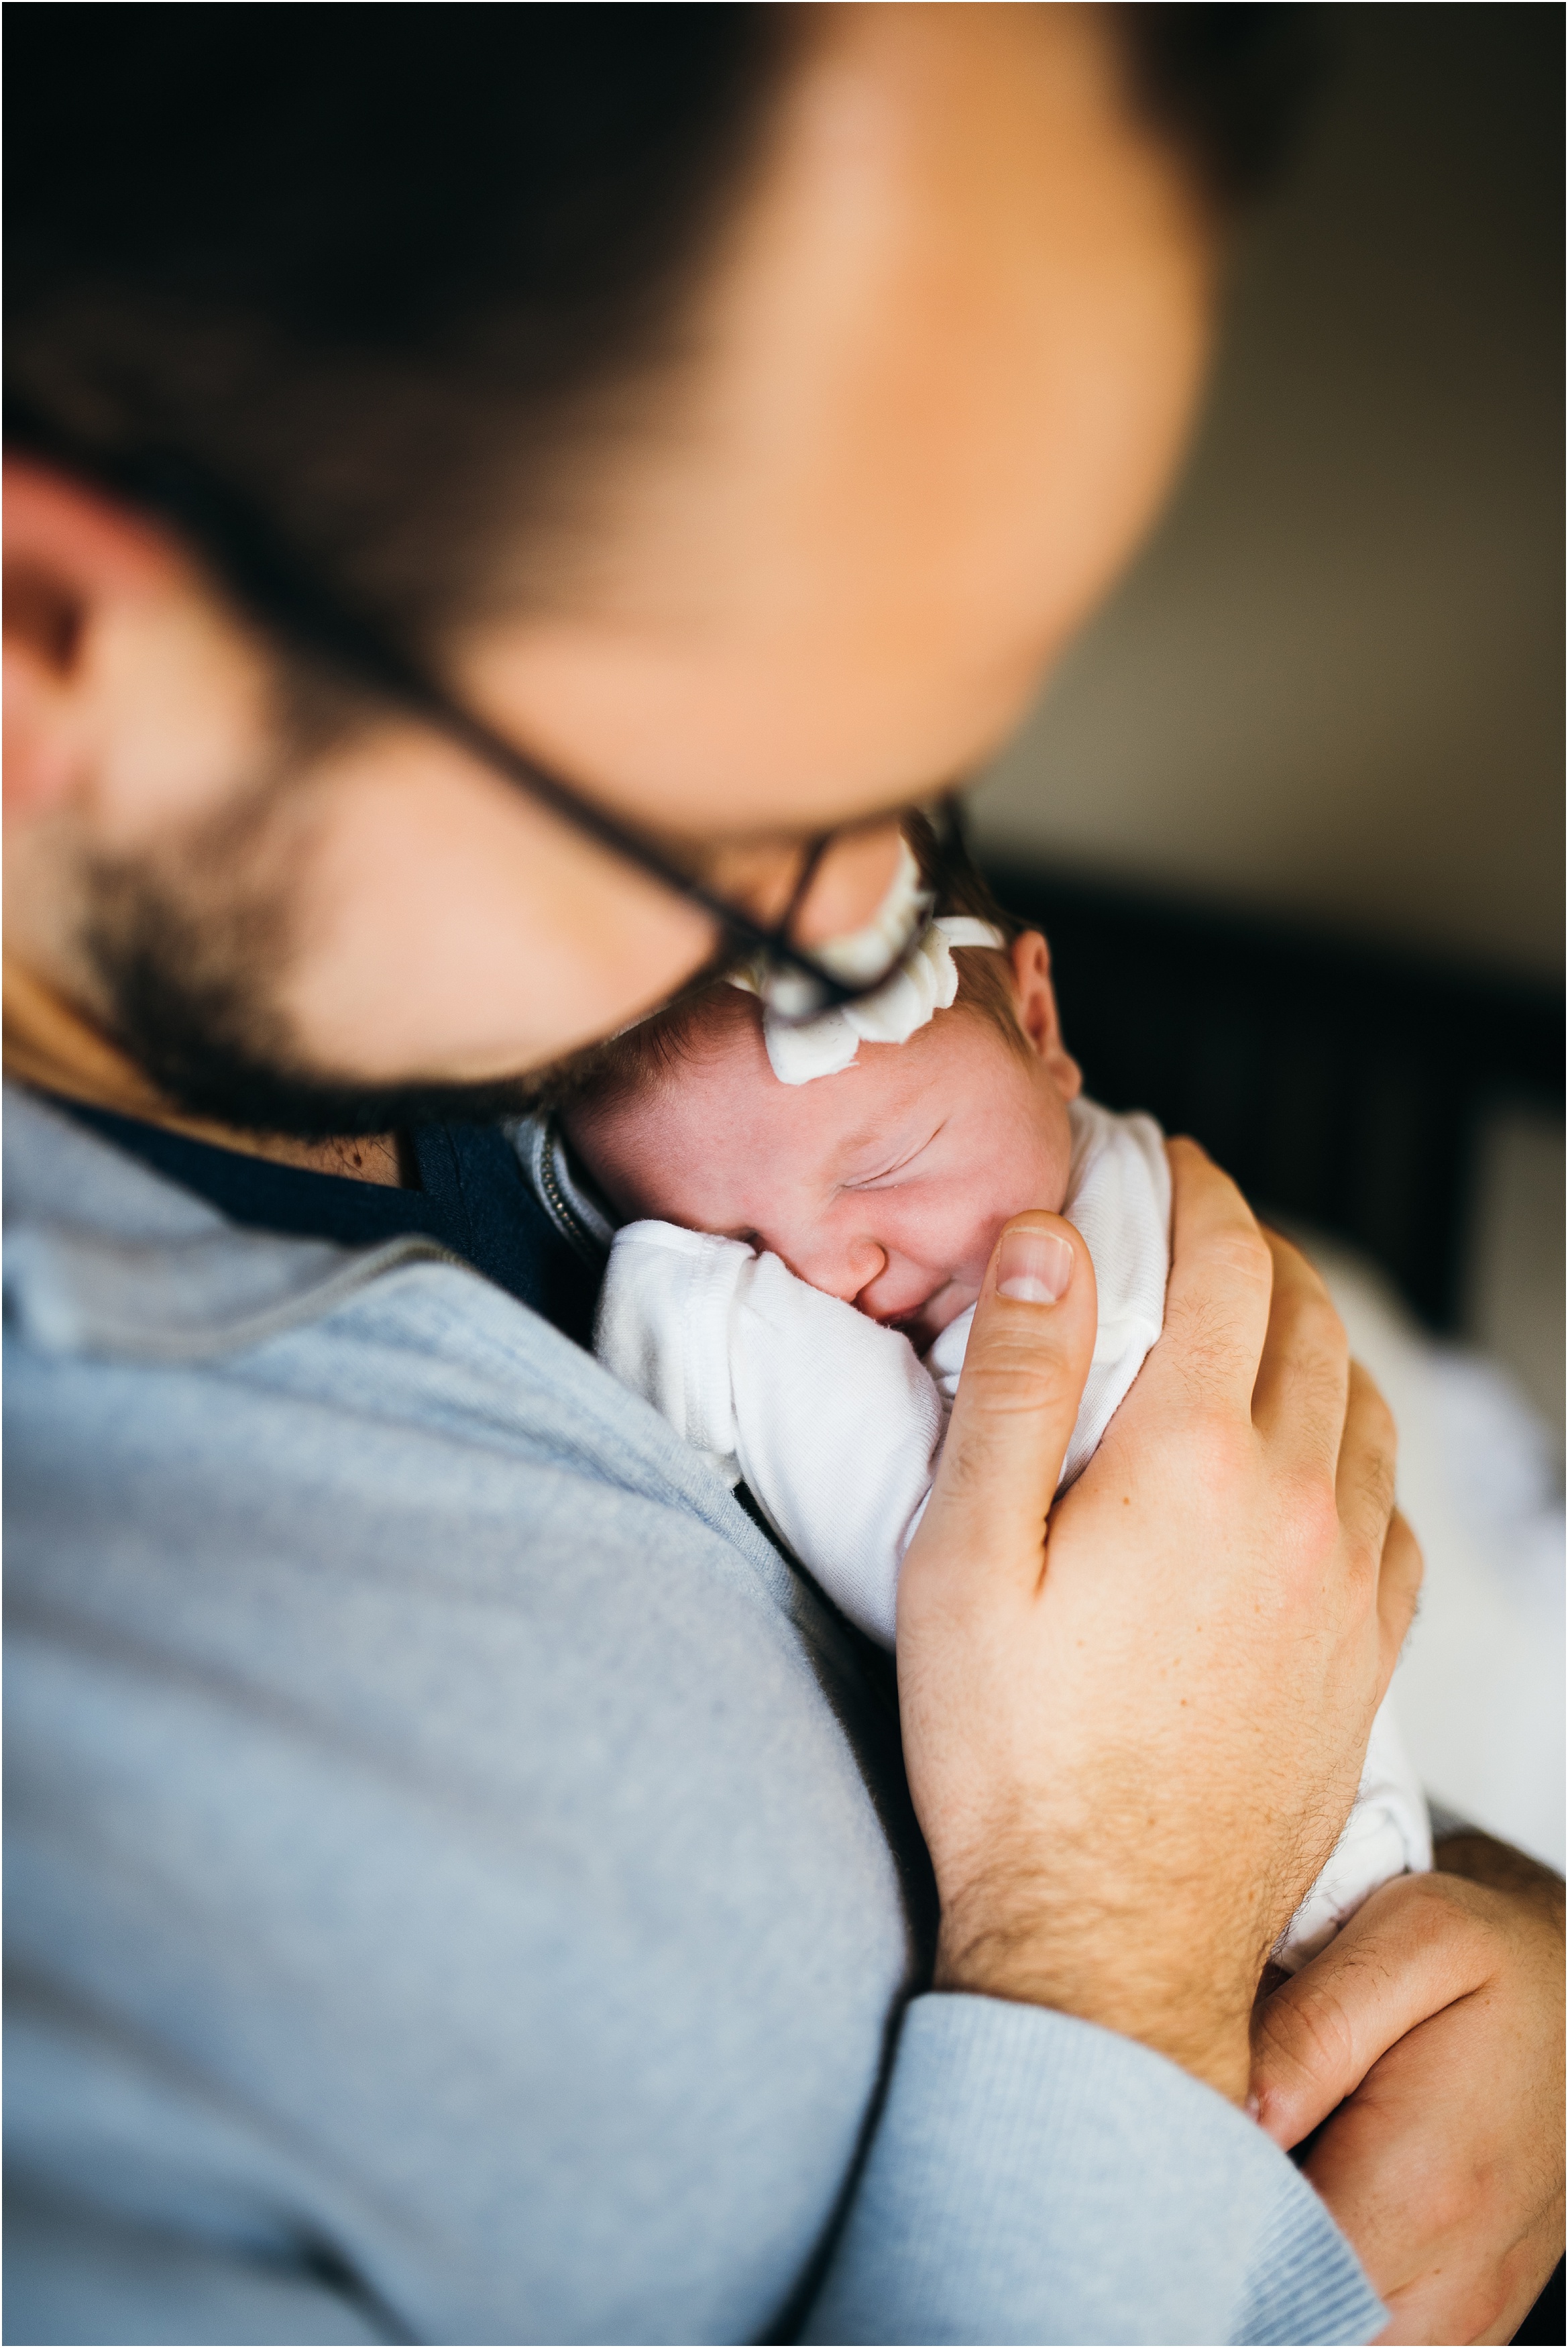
[[708, 1136], [726, 1072], [701, 1073], [705, 1081]]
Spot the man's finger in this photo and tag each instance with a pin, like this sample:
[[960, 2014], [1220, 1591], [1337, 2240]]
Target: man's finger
[[1373, 1532], [1298, 1401], [1398, 1588], [1218, 1303], [1018, 1398], [1399, 1960], [1364, 1475]]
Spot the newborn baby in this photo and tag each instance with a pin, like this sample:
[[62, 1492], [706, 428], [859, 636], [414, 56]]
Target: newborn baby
[[805, 1221]]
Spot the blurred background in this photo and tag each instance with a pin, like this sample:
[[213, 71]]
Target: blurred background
[[1292, 815]]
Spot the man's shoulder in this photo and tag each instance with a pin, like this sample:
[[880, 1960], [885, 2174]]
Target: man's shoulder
[[398, 1623], [417, 1748], [164, 1347]]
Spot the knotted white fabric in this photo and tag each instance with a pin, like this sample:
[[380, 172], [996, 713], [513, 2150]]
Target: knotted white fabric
[[926, 982]]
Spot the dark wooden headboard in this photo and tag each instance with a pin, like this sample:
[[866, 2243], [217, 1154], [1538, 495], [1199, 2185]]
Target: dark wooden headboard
[[1339, 1082]]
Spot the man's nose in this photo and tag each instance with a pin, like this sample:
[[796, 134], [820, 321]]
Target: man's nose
[[847, 888]]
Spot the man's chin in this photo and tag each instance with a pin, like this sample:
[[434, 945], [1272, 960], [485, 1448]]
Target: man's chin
[[250, 1093], [190, 1004], [210, 1074], [266, 1101]]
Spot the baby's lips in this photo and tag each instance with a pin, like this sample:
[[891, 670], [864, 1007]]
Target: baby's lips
[[923, 1323], [898, 1317]]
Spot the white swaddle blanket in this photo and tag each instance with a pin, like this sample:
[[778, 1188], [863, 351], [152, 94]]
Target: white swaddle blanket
[[836, 1424]]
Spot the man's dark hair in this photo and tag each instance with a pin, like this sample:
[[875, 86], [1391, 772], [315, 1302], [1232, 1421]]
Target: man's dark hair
[[364, 265], [384, 270]]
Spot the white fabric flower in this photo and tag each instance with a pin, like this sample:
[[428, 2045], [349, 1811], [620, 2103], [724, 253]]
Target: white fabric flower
[[925, 982]]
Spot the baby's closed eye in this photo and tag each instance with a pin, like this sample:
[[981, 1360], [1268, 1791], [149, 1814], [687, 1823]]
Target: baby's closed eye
[[891, 1169]]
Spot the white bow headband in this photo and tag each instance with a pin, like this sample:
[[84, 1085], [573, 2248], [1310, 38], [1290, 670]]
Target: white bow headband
[[925, 982]]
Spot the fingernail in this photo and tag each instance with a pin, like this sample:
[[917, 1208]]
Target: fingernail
[[1253, 2108], [1035, 1267]]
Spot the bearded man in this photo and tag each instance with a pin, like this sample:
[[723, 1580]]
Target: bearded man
[[506, 507]]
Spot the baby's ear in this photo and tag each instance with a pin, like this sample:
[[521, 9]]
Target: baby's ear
[[1034, 999]]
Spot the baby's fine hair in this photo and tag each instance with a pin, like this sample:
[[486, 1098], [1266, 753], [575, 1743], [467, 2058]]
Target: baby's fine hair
[[668, 1038]]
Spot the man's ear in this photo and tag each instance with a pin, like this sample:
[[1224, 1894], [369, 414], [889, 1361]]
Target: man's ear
[[69, 551], [1034, 999]]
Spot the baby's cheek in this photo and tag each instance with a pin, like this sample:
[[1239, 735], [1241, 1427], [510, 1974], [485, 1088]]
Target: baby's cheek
[[984, 1248], [1038, 1173], [1033, 1175]]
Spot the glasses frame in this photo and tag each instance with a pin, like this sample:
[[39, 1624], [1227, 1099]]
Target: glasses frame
[[284, 597]]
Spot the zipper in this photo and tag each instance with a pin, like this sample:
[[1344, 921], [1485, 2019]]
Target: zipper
[[538, 1144]]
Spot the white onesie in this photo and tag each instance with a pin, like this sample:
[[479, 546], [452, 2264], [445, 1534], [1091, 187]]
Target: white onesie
[[836, 1424]]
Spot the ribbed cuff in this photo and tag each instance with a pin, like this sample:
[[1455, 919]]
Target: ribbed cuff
[[1036, 2178]]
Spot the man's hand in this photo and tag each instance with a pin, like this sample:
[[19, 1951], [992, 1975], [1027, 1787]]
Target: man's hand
[[1135, 1732], [1431, 2029]]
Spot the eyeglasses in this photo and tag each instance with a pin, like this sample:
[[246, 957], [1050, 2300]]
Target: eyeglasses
[[282, 595]]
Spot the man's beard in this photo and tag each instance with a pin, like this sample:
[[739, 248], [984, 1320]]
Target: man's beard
[[188, 999]]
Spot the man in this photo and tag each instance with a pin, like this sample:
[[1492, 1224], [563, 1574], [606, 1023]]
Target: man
[[465, 1884]]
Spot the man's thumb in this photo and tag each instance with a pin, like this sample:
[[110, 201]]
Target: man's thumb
[[1023, 1382]]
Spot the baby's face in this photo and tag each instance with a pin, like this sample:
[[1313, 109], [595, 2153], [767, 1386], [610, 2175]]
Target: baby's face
[[887, 1185]]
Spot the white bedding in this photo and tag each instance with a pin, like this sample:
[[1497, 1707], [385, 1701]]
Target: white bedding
[[1479, 1690]]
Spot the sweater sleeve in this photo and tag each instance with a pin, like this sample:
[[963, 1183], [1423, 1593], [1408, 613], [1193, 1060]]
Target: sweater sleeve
[[837, 1428], [831, 1419], [662, 1329], [1033, 2177]]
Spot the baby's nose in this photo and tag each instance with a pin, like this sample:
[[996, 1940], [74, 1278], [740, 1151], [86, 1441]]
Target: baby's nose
[[842, 1270]]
